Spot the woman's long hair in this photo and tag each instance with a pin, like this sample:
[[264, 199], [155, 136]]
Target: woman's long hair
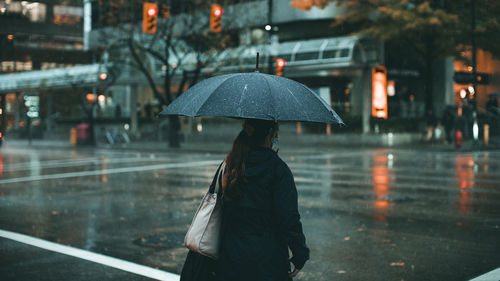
[[252, 135]]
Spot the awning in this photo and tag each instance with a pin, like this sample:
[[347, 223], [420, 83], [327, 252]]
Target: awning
[[302, 57], [67, 77]]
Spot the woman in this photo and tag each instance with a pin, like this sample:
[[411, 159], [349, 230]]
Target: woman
[[260, 216]]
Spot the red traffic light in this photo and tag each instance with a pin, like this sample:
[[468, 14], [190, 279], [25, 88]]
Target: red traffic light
[[152, 12], [103, 76], [218, 12], [280, 63]]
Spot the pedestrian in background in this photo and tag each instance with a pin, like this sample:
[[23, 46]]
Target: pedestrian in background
[[261, 220], [448, 121], [431, 123]]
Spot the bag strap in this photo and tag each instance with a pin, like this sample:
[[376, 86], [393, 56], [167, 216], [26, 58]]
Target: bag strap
[[221, 175], [217, 180]]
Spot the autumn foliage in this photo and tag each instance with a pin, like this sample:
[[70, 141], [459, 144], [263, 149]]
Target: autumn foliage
[[306, 5]]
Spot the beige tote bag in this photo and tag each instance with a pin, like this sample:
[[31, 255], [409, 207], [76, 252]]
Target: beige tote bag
[[203, 234]]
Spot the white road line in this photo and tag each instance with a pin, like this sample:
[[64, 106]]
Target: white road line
[[93, 257], [71, 163], [110, 171]]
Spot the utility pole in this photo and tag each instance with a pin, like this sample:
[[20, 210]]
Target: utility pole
[[270, 68], [475, 129]]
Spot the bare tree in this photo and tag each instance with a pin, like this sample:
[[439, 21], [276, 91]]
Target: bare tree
[[181, 45]]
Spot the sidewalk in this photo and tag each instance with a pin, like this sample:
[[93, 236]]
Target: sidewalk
[[218, 138], [221, 143]]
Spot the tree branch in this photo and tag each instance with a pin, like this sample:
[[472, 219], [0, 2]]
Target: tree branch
[[144, 71]]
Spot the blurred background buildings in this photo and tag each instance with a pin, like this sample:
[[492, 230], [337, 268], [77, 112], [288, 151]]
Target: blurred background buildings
[[115, 64]]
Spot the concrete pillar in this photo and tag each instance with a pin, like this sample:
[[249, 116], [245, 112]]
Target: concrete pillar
[[17, 113], [49, 13], [356, 96], [361, 98], [49, 117], [367, 99], [87, 23], [443, 85], [132, 106], [449, 69]]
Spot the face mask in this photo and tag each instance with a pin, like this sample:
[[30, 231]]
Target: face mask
[[274, 143]]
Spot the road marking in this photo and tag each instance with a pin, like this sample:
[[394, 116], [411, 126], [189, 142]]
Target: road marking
[[93, 257], [69, 163], [110, 171]]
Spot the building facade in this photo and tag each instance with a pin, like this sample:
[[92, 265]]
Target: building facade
[[337, 65], [36, 36]]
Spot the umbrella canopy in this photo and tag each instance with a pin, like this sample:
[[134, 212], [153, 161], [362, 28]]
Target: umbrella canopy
[[253, 95]]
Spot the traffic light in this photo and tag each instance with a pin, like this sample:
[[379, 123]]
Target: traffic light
[[103, 76], [216, 18], [149, 17], [280, 64]]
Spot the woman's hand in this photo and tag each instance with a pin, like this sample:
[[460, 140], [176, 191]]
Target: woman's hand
[[293, 273]]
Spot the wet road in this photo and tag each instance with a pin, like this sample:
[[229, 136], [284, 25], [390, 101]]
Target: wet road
[[368, 214]]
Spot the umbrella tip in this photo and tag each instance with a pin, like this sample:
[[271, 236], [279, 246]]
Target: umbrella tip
[[257, 63]]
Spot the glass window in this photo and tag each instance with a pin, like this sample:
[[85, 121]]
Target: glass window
[[307, 56], [67, 15], [31, 11]]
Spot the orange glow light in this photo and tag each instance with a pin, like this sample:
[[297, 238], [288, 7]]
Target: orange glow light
[[103, 76], [464, 172], [90, 97], [381, 181], [280, 63], [379, 92], [10, 36], [381, 204]]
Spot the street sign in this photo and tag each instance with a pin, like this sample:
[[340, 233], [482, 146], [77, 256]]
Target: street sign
[[33, 105], [462, 77]]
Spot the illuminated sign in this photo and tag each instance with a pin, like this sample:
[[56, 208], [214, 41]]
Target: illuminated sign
[[379, 92], [32, 103]]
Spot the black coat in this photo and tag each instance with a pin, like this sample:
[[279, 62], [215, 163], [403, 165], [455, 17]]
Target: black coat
[[259, 227]]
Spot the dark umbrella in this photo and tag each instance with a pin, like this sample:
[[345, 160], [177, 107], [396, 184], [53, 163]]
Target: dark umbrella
[[253, 95]]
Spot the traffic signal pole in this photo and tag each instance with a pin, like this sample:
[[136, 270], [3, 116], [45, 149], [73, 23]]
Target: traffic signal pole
[[270, 68], [2, 117], [474, 72]]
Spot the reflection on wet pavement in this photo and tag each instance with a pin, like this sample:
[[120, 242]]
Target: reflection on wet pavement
[[368, 214]]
